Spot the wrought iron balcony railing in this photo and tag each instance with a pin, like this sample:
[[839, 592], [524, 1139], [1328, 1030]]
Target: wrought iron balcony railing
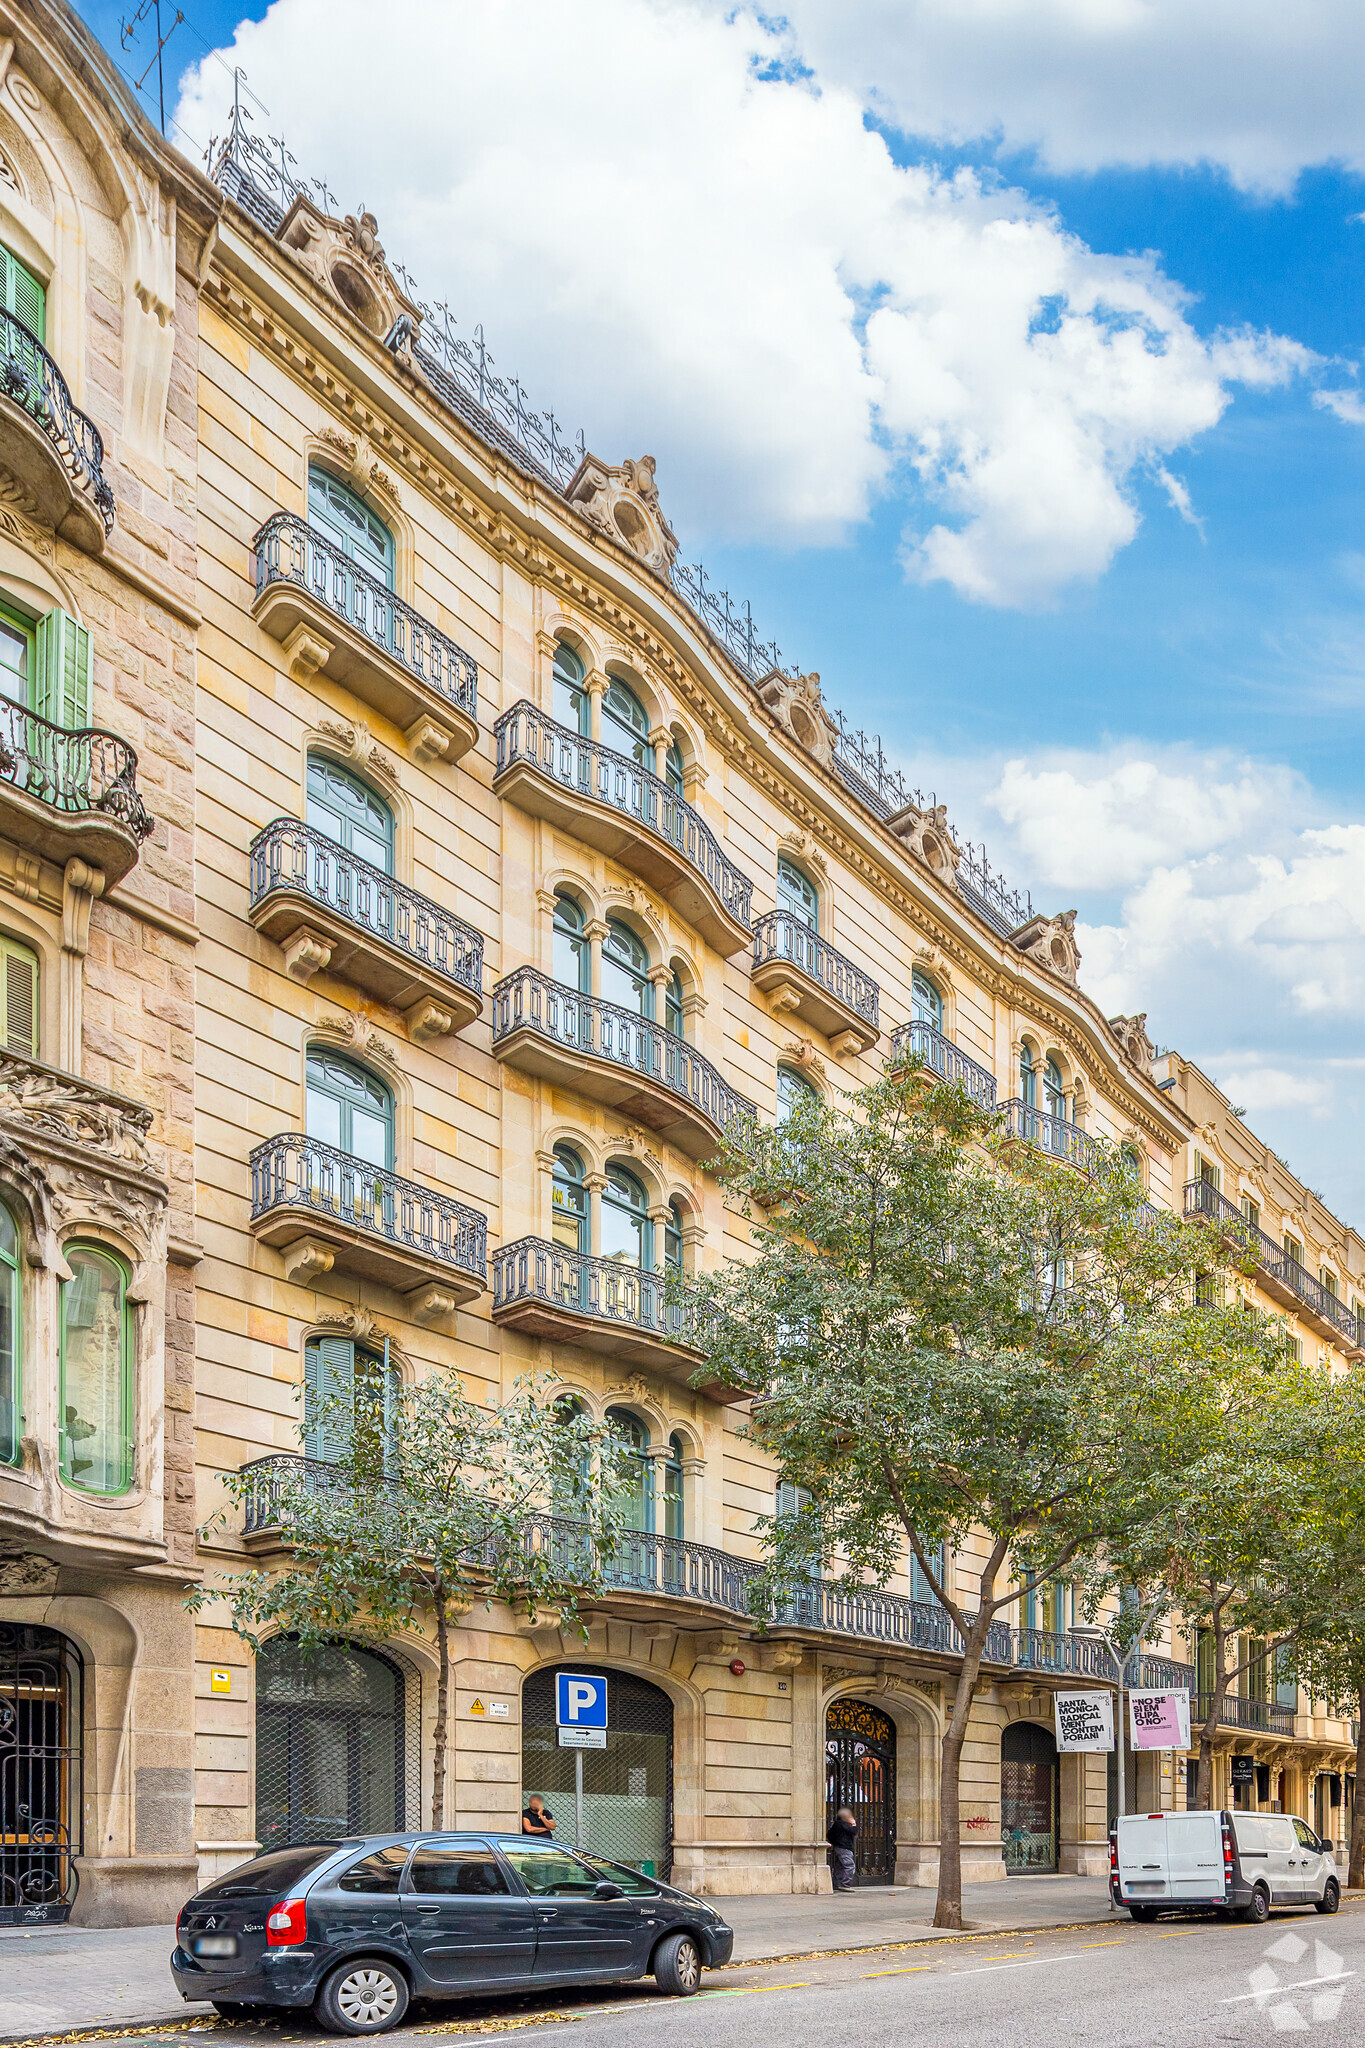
[[527, 1000], [1052, 1134], [926, 1042], [290, 551], [1041, 1649], [1275, 1262], [585, 768], [89, 771], [30, 377], [291, 856], [532, 1269], [297, 1173], [781, 935], [1265, 1716]]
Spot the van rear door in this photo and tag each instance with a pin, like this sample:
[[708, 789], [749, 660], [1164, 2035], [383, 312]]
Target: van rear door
[[1194, 1846], [1143, 1856]]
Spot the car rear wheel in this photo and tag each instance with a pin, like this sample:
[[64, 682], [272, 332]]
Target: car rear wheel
[[677, 1965], [1331, 1897], [1143, 1912], [1257, 1908], [366, 1996]]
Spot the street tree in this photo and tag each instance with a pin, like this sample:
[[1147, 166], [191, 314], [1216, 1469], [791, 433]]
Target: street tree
[[953, 1338], [426, 1504]]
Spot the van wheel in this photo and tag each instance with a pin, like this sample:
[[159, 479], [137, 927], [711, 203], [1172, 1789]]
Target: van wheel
[[1257, 1908], [365, 1996], [1143, 1912], [677, 1966], [1331, 1898]]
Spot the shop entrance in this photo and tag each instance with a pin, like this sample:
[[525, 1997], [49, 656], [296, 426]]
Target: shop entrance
[[860, 1773], [1028, 1798], [40, 1758], [329, 1744], [622, 1807]]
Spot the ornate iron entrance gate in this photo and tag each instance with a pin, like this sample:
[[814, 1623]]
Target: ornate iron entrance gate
[[860, 1773], [1028, 1798], [40, 1756]]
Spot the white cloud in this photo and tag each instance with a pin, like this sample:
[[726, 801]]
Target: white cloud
[[1348, 405], [1258, 88], [674, 234], [1256, 1088]]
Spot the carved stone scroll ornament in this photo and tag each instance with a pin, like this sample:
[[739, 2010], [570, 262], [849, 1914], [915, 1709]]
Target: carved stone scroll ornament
[[24, 1574], [799, 708], [1131, 1033], [346, 257], [1051, 941], [624, 502], [43, 1101], [928, 835]]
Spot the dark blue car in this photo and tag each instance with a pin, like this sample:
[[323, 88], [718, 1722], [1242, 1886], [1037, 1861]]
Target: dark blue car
[[355, 1929]]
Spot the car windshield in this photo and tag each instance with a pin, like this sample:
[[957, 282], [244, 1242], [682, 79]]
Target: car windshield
[[550, 1870], [278, 1872]]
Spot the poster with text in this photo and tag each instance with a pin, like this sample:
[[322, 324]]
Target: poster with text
[[1085, 1720], [1159, 1720]]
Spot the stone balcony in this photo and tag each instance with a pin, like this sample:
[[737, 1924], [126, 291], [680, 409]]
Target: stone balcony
[[70, 795], [332, 912], [608, 801], [803, 975], [613, 1056], [1281, 1275], [1054, 1134], [332, 618], [53, 452], [918, 1040], [323, 1209]]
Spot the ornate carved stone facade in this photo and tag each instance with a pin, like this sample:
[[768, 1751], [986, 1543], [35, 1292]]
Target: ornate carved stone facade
[[624, 503], [1051, 941]]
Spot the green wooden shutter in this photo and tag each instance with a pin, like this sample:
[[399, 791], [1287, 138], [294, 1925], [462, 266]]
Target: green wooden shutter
[[63, 664], [328, 1395], [24, 296], [18, 999]]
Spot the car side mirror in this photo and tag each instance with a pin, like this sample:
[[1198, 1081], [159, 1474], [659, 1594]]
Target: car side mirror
[[607, 1890]]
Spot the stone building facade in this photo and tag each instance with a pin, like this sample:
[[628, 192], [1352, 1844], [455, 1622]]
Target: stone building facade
[[474, 866]]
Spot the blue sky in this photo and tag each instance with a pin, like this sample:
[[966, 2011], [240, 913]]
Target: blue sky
[[1112, 607]]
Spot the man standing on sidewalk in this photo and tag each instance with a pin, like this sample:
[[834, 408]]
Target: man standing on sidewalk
[[842, 1834]]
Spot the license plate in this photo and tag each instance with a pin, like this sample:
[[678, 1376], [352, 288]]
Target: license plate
[[215, 1944]]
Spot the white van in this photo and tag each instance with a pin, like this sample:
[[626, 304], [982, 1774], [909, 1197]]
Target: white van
[[1243, 1863]]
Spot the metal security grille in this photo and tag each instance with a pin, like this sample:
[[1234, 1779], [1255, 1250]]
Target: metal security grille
[[40, 1758], [1028, 1798], [336, 1744], [627, 1795], [860, 1773]]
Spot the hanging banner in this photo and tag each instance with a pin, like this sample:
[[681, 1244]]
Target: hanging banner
[[1085, 1720], [1159, 1720]]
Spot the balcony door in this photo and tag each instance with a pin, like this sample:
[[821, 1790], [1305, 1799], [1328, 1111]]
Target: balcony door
[[351, 527]]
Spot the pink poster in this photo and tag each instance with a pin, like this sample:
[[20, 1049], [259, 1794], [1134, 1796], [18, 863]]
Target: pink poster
[[1159, 1720]]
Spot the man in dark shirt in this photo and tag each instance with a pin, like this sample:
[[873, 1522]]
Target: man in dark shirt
[[841, 1836], [537, 1819]]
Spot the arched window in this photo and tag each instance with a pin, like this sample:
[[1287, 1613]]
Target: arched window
[[625, 970], [674, 1014], [571, 953], [926, 1001], [96, 1398], [17, 664], [1028, 1078], [571, 703], [569, 1201], [1132, 1160], [675, 775], [348, 811], [10, 1327], [638, 1469], [1054, 1090], [798, 895], [350, 525], [331, 1758], [627, 1233], [18, 998], [673, 1238], [674, 1518], [625, 725], [792, 1088], [349, 1107]]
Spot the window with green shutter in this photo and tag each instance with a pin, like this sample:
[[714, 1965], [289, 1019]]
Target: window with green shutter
[[24, 296], [348, 1403], [18, 660], [18, 999], [62, 649]]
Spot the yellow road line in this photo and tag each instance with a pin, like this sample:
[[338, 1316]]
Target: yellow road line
[[909, 1971]]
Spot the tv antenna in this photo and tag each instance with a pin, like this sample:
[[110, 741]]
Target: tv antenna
[[126, 34]]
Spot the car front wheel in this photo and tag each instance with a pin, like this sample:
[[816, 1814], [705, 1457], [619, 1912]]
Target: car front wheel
[[1331, 1897], [366, 1996], [677, 1965]]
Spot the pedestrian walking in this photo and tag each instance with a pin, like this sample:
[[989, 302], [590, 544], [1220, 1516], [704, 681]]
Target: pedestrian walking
[[841, 1836]]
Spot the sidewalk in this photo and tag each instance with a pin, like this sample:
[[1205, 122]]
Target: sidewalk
[[56, 1978]]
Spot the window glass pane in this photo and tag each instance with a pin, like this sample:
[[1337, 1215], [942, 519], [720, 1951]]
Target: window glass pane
[[16, 666], [926, 1004], [378, 1873], [627, 1234], [624, 961], [322, 1116], [350, 525], [341, 806], [625, 726], [791, 1089], [630, 1881], [95, 1446], [544, 1871], [459, 1871], [796, 894], [674, 1017], [571, 705], [275, 1874], [369, 1137], [674, 773]]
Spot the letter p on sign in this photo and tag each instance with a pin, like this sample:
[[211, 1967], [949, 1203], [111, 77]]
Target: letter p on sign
[[580, 1700]]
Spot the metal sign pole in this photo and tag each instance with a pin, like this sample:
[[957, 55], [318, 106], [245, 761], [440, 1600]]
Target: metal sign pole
[[578, 1798]]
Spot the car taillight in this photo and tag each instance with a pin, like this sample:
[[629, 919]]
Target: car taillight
[[1227, 1857], [286, 1924], [1113, 1852]]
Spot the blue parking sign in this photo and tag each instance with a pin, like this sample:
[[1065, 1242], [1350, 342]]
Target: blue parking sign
[[580, 1700]]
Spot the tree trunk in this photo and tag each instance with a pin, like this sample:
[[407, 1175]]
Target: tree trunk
[[1355, 1874], [438, 1749], [1203, 1792], [948, 1905]]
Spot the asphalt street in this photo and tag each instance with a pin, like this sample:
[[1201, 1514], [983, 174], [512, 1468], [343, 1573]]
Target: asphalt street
[[1171, 1985]]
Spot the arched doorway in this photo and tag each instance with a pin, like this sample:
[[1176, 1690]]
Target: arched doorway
[[40, 1769], [626, 1798], [330, 1744], [860, 1773], [1028, 1798]]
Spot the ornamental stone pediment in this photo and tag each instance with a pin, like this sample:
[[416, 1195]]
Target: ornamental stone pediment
[[799, 708], [346, 257], [624, 503], [1131, 1033], [928, 835], [1051, 941]]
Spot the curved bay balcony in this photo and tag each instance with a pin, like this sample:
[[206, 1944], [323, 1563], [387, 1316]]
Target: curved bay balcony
[[1281, 1275], [613, 1056], [918, 1040], [49, 446], [65, 794], [618, 1311], [331, 911], [324, 1208], [331, 617], [802, 974], [1052, 1134], [608, 801]]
